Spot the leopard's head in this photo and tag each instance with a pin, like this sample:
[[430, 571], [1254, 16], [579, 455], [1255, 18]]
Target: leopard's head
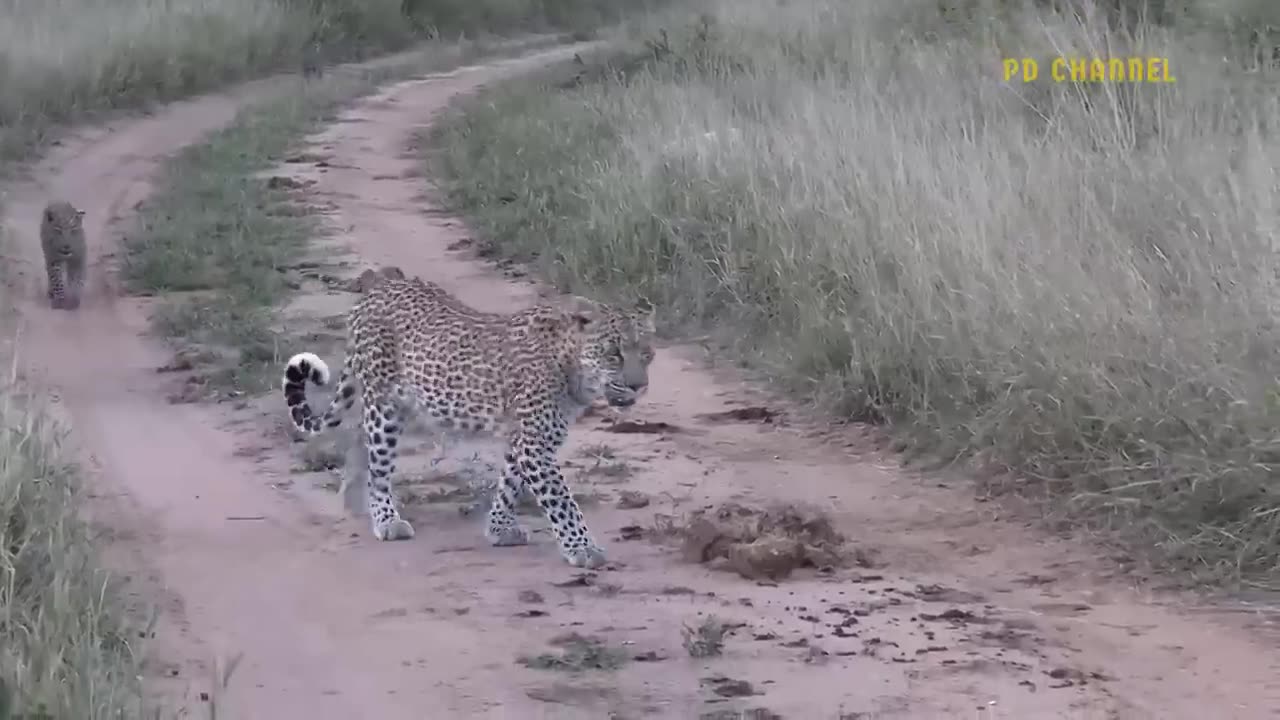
[[65, 223], [616, 349]]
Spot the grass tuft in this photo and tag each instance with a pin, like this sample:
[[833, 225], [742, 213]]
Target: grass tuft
[[1074, 281], [706, 639]]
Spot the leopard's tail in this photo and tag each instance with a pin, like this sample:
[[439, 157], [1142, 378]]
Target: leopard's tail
[[308, 367]]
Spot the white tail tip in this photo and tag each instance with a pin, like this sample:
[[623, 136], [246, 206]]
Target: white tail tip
[[319, 372]]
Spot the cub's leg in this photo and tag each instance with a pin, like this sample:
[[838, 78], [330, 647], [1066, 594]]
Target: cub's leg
[[57, 287], [75, 282]]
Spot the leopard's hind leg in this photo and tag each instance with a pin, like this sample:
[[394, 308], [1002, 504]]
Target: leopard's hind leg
[[383, 428]]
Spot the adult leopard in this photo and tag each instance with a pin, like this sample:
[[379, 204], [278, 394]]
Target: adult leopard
[[416, 352]]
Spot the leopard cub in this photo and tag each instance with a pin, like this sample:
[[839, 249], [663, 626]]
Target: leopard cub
[[63, 243]]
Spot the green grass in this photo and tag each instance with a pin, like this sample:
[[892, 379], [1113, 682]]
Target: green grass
[[1074, 282], [65, 649], [220, 240], [218, 233]]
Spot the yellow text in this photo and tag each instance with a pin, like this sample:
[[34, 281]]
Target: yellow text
[[1135, 69]]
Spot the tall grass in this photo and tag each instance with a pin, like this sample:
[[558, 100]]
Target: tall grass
[[61, 59], [1074, 281], [500, 16], [64, 650]]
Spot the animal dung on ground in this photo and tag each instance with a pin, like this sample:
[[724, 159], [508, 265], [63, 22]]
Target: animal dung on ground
[[757, 543], [632, 427], [754, 413]]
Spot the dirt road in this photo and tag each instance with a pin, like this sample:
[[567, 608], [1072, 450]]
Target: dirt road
[[940, 608]]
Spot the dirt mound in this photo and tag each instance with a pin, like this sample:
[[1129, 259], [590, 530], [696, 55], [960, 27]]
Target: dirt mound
[[757, 543]]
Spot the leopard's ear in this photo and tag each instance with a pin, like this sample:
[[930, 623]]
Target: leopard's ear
[[644, 315], [578, 303], [583, 311]]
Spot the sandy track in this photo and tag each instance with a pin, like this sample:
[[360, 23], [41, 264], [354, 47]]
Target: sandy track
[[332, 624]]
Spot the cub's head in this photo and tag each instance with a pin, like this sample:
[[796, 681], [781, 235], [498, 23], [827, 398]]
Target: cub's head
[[616, 349], [63, 219]]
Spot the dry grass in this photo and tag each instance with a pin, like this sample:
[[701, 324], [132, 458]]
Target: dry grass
[[1077, 282]]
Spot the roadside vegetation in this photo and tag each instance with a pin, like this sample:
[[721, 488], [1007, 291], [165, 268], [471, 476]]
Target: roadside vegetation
[[65, 648], [61, 60], [1071, 285]]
